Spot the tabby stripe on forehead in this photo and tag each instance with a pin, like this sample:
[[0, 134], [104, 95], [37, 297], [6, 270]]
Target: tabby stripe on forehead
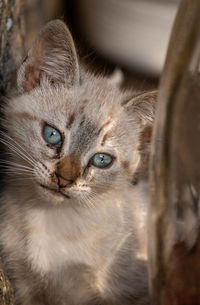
[[85, 101], [82, 108], [23, 115], [82, 121], [104, 125], [71, 120], [105, 137]]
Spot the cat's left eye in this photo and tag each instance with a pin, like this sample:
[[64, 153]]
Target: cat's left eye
[[52, 136], [101, 160]]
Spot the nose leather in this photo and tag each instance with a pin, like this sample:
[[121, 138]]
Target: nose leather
[[68, 170], [63, 182]]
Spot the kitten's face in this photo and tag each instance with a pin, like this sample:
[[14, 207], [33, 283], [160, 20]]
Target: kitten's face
[[70, 141], [81, 141]]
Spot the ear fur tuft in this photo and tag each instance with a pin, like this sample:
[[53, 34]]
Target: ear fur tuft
[[53, 55], [143, 106]]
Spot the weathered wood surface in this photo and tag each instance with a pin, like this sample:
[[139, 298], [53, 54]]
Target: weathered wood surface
[[20, 21], [174, 237], [6, 292], [11, 53], [11, 41]]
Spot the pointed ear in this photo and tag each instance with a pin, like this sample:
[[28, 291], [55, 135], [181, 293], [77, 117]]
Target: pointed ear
[[53, 55], [142, 109]]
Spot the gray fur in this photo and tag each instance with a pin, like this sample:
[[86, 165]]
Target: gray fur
[[89, 248], [53, 54]]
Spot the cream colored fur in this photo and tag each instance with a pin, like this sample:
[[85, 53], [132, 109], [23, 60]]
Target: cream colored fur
[[89, 248]]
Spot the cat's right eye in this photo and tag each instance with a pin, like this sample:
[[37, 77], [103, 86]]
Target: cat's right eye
[[52, 136], [101, 160]]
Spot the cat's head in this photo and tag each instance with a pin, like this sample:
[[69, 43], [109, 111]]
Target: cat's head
[[71, 136]]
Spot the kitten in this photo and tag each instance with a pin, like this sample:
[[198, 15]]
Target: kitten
[[72, 228]]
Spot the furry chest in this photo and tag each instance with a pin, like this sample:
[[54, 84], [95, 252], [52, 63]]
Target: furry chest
[[47, 252]]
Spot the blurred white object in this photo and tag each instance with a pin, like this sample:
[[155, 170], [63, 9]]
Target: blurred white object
[[134, 33]]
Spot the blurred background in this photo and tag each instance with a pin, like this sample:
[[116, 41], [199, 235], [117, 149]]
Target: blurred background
[[131, 34]]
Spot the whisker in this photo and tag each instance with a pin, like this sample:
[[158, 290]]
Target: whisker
[[11, 163], [10, 138], [16, 146], [24, 179], [14, 174], [15, 170], [86, 201], [17, 151], [9, 166]]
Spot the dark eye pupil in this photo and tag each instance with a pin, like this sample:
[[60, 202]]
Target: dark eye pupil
[[52, 136], [53, 133], [102, 158]]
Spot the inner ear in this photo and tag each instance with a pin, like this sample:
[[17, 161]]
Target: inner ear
[[141, 109], [144, 149], [53, 55]]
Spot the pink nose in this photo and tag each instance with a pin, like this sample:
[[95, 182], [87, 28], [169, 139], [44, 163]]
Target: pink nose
[[64, 182]]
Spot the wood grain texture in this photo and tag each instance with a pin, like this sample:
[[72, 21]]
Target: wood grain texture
[[174, 223], [11, 53], [6, 292], [11, 42]]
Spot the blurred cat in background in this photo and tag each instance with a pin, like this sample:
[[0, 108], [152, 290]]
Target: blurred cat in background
[[73, 224]]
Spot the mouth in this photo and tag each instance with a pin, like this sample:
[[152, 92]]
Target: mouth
[[55, 191]]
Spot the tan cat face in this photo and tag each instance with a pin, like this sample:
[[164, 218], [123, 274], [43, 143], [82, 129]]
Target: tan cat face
[[71, 140]]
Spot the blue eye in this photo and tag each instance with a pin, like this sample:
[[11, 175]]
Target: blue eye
[[101, 160], [52, 136]]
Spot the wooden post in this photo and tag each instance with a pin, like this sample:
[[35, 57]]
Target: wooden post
[[6, 292], [20, 21], [174, 238], [11, 52], [11, 42]]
